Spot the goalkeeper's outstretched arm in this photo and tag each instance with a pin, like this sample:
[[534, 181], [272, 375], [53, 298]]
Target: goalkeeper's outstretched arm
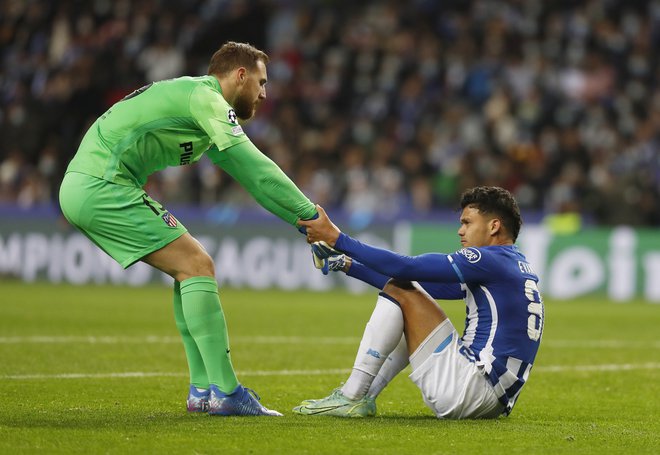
[[265, 181]]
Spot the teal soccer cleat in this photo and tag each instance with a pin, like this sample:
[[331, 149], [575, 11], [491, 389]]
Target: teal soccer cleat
[[198, 401], [241, 402], [336, 404]]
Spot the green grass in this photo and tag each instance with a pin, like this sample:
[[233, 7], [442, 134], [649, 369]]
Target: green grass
[[568, 406]]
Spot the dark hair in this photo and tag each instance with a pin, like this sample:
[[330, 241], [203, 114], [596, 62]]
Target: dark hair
[[497, 201], [234, 55]]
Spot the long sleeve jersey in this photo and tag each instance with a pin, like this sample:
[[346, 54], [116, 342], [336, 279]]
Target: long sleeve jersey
[[173, 123]]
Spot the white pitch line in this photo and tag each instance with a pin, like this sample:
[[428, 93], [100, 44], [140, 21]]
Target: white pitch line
[[128, 374], [156, 339], [142, 374], [607, 344], [335, 371], [39, 339], [604, 367]]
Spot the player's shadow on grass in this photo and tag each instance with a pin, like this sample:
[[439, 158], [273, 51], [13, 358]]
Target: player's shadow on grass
[[135, 421], [403, 418]]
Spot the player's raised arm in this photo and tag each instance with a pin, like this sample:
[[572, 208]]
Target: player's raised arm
[[433, 267], [375, 265]]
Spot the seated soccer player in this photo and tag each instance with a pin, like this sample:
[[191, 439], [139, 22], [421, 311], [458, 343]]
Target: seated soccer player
[[477, 375]]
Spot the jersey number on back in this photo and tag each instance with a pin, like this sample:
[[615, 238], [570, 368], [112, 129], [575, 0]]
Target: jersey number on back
[[535, 310]]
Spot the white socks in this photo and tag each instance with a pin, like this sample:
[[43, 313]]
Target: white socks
[[395, 362], [381, 336]]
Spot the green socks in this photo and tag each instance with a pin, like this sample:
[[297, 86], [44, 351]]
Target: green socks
[[201, 322], [198, 376]]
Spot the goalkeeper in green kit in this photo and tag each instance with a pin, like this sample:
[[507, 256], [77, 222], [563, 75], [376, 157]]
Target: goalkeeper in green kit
[[172, 123]]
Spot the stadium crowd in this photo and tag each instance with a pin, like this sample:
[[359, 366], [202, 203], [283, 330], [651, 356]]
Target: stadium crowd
[[382, 107]]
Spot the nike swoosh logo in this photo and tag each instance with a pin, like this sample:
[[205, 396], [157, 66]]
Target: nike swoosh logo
[[325, 409]]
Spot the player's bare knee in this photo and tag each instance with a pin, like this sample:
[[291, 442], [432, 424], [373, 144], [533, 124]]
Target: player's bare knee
[[401, 284], [399, 289], [196, 263], [205, 264]]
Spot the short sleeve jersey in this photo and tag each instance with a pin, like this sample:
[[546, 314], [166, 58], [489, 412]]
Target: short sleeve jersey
[[166, 123]]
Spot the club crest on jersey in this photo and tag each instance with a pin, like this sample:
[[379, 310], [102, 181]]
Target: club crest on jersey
[[169, 219], [231, 116], [471, 254]]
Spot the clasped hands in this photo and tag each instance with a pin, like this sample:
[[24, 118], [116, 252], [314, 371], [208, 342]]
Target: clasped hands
[[322, 235]]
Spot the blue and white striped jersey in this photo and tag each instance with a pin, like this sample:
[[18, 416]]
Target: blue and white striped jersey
[[504, 315], [504, 310]]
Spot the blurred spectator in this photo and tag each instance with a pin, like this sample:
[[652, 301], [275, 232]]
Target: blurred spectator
[[388, 108]]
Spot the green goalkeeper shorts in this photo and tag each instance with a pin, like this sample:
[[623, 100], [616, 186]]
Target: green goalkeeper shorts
[[122, 220]]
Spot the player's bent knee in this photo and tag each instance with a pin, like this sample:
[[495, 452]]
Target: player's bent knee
[[396, 284], [196, 264], [398, 289], [204, 265]]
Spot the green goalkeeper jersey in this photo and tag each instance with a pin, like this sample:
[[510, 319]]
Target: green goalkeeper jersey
[[174, 122]]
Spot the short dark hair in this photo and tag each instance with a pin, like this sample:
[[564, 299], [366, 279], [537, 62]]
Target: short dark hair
[[497, 201], [234, 55]]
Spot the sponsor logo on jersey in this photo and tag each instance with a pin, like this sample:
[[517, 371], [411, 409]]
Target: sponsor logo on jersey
[[187, 153], [169, 219], [526, 268], [237, 130], [231, 116], [471, 254]]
